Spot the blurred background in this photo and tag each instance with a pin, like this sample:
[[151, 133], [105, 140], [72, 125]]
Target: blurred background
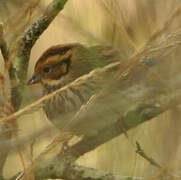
[[126, 25]]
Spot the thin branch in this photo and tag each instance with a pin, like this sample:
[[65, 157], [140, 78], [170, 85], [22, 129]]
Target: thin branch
[[27, 40], [6, 101], [141, 152], [3, 45], [131, 118], [76, 172]]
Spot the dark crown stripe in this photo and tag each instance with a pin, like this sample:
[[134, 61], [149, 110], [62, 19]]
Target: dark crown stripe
[[54, 50]]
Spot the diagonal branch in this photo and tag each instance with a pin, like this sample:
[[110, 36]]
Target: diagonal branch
[[27, 40], [45, 167], [74, 172]]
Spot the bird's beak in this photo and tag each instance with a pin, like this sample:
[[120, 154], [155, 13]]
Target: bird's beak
[[33, 80]]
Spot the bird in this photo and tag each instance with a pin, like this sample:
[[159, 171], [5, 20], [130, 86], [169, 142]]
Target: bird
[[62, 64], [93, 96]]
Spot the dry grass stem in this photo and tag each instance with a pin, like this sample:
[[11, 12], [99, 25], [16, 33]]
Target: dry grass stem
[[163, 29], [118, 24], [157, 34]]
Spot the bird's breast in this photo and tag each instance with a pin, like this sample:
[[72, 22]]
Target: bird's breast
[[62, 107]]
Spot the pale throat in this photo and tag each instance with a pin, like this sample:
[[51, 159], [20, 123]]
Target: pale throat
[[51, 85], [51, 82]]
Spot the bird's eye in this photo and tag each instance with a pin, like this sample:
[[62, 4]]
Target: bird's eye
[[46, 69], [63, 52]]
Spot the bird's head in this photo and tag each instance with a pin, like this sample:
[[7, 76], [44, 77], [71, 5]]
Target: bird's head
[[52, 65], [61, 64]]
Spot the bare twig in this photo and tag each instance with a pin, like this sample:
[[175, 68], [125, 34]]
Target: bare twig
[[74, 172], [131, 119], [6, 100], [25, 44], [33, 141], [3, 45], [24, 16], [141, 152], [4, 51]]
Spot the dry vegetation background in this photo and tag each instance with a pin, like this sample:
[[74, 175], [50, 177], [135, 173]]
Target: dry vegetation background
[[126, 25]]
